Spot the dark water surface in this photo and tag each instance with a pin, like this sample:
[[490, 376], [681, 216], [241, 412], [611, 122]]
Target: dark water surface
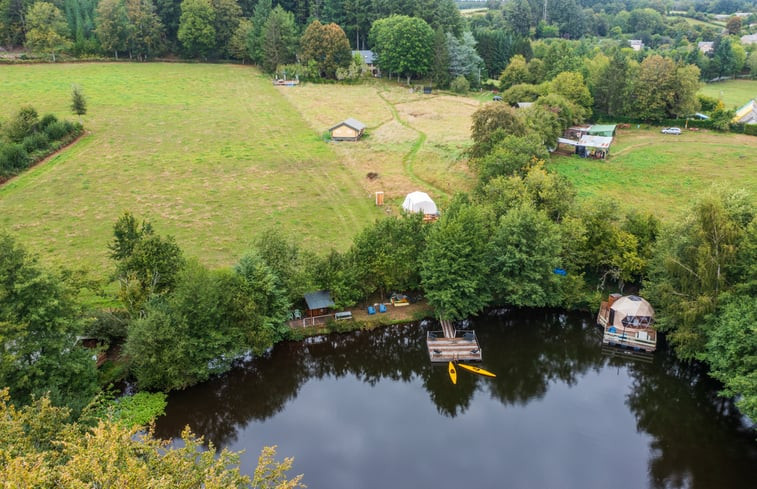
[[368, 410]]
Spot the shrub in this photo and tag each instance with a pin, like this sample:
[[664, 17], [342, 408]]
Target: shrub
[[13, 158], [24, 123], [58, 130], [460, 85], [35, 141], [708, 103], [46, 121]]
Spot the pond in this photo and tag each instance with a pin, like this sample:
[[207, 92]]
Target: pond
[[368, 410]]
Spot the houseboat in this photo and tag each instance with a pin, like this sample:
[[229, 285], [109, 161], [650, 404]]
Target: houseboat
[[628, 322]]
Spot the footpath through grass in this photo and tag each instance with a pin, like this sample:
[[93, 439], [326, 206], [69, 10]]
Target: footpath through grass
[[661, 173], [212, 154], [734, 93]]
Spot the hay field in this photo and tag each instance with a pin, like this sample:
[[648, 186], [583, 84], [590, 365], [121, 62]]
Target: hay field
[[661, 173], [413, 141], [212, 154]]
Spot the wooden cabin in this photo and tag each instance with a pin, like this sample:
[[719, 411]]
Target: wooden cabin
[[347, 130], [318, 303], [628, 322]]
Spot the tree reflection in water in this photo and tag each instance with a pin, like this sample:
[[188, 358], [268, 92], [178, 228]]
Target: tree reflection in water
[[676, 404]]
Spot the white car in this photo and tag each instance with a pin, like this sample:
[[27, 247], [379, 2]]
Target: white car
[[672, 130]]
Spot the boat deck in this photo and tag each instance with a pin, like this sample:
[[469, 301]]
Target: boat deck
[[463, 346]]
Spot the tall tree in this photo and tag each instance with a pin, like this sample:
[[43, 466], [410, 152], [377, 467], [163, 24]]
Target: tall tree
[[525, 250], [696, 261], [113, 27], [518, 16], [227, 17], [327, 45], [463, 58], [39, 321], [147, 33], [196, 27], [454, 269], [654, 88], [47, 29], [404, 45], [279, 40], [255, 41], [613, 86], [439, 70]]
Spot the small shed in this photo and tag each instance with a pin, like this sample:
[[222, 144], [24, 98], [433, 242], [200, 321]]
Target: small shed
[[347, 130], [593, 147], [607, 130], [420, 202], [318, 303]]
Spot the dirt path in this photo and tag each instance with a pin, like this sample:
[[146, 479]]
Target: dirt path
[[409, 157]]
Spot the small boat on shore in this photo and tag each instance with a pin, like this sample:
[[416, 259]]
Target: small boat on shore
[[452, 372], [476, 370]]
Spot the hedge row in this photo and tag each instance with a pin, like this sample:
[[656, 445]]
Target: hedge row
[[48, 137]]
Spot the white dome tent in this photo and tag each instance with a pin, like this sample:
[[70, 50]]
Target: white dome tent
[[420, 202]]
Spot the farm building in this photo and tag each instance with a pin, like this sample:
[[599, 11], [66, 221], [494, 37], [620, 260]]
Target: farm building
[[749, 39], [421, 202], [606, 130], [636, 44], [347, 130], [593, 146], [627, 321], [747, 114]]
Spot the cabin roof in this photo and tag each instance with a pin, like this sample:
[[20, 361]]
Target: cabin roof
[[350, 122], [320, 299]]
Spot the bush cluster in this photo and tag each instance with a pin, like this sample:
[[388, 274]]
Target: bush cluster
[[26, 139]]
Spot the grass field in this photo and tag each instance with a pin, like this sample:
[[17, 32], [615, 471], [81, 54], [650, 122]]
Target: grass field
[[662, 173], [212, 154], [734, 93]]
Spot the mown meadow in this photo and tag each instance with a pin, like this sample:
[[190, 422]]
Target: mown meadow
[[211, 154]]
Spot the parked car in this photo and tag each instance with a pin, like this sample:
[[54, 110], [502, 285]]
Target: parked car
[[672, 130], [497, 98]]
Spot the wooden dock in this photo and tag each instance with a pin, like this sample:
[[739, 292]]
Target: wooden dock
[[449, 345]]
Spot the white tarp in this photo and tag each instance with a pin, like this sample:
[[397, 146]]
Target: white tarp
[[419, 202]]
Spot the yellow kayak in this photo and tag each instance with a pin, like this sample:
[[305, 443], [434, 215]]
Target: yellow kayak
[[476, 370], [452, 373]]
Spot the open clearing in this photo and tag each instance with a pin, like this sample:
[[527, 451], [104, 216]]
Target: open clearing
[[734, 93], [211, 154], [662, 173]]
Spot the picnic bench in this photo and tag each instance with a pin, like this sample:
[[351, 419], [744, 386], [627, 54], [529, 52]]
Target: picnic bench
[[343, 315]]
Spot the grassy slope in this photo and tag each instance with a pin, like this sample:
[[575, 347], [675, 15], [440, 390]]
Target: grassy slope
[[211, 154], [734, 93], [663, 174]]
